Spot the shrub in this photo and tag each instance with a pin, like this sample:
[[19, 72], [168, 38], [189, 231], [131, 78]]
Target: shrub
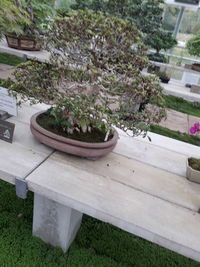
[[193, 45]]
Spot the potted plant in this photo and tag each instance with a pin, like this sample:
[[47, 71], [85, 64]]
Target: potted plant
[[193, 164], [28, 35], [193, 46], [193, 170], [163, 76], [161, 39], [92, 82]]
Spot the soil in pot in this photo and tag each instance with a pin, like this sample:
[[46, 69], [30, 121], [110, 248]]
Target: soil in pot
[[95, 136], [194, 163]]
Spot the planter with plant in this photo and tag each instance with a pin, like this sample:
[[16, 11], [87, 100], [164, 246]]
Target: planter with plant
[[193, 164], [92, 82], [193, 46], [28, 34], [193, 170], [163, 76], [161, 39]]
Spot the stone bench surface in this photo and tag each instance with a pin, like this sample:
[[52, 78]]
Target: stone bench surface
[[141, 199], [42, 56], [25, 153]]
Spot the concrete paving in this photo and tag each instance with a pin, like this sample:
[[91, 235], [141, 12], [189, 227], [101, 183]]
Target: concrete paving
[[179, 121], [6, 71], [176, 88]]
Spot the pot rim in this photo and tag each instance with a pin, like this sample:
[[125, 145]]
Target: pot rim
[[189, 167], [23, 37], [66, 140]]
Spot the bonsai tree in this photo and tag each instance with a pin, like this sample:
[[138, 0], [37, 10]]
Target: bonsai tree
[[11, 17], [161, 40], [93, 79]]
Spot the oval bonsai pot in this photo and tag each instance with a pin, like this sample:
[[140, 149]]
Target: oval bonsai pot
[[192, 174], [71, 146], [23, 42]]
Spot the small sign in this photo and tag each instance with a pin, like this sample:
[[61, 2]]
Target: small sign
[[8, 103], [6, 131]]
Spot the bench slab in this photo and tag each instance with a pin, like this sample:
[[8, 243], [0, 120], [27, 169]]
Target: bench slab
[[25, 153], [149, 202]]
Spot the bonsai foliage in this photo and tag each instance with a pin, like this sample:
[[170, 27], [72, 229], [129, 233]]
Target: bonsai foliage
[[193, 45], [11, 17], [95, 74]]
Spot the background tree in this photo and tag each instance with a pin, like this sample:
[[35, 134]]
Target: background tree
[[39, 12], [161, 40], [193, 45], [146, 14]]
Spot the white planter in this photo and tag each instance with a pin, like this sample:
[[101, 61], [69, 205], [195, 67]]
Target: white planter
[[193, 175]]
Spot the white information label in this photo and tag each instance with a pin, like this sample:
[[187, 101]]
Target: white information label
[[8, 103]]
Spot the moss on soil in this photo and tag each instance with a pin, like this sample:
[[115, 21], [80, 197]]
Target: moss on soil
[[95, 136], [194, 163]]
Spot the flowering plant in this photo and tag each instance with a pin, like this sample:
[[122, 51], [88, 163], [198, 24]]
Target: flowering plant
[[195, 128]]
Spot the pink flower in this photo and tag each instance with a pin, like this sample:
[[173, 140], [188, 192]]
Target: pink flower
[[197, 126], [193, 130]]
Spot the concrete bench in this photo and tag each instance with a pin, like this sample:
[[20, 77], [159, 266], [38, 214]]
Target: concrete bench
[[140, 188], [21, 157]]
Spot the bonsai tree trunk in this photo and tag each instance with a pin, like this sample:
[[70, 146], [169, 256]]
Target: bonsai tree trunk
[[157, 51]]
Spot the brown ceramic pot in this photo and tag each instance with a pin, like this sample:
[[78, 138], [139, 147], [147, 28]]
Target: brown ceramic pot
[[23, 43], [70, 146], [196, 67]]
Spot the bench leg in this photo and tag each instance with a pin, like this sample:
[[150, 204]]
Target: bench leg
[[54, 223]]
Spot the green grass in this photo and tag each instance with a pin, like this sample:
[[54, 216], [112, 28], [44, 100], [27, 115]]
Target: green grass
[[184, 137], [97, 244], [182, 105], [10, 59]]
